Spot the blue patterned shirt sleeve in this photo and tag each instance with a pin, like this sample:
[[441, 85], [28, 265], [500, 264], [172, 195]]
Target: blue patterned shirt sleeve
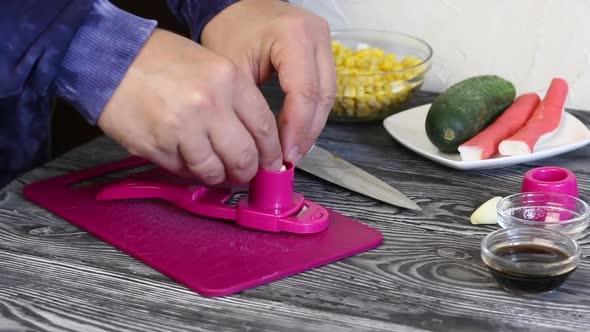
[[76, 49], [86, 80], [35, 36], [98, 57], [195, 14]]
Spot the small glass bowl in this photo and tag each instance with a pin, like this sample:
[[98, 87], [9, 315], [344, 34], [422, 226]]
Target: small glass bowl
[[545, 210], [368, 97], [530, 261]]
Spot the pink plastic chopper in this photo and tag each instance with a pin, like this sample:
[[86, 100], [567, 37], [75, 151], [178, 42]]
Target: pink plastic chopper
[[270, 205]]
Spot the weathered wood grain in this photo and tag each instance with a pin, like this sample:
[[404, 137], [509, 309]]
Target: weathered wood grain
[[426, 276]]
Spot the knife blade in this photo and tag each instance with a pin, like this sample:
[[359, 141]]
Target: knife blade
[[336, 170]]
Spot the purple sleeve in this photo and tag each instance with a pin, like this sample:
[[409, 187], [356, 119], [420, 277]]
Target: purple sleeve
[[98, 57], [195, 14], [35, 36], [86, 80]]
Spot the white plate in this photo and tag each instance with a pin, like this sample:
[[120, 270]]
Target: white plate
[[407, 127]]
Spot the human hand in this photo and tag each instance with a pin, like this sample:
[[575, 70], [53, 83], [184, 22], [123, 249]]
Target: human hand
[[193, 113], [262, 35]]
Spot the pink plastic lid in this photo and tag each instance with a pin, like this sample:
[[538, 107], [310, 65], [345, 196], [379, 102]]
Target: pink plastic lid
[[551, 179]]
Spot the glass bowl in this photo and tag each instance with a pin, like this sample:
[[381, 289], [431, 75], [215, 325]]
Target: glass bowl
[[549, 210], [530, 261], [378, 72]]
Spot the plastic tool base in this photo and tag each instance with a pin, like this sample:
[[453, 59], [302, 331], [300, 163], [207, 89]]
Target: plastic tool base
[[210, 256]]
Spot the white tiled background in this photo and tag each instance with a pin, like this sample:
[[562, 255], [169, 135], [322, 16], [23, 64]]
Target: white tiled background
[[525, 41]]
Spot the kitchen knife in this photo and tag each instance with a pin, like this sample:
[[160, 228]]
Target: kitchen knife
[[336, 170]]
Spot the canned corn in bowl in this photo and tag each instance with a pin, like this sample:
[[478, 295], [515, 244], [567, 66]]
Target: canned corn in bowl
[[378, 72]]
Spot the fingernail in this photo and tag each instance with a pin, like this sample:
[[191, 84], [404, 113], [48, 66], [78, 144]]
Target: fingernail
[[277, 165], [294, 154]]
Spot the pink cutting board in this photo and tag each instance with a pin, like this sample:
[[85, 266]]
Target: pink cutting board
[[211, 257]]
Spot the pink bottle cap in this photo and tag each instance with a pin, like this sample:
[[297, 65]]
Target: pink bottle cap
[[551, 179]]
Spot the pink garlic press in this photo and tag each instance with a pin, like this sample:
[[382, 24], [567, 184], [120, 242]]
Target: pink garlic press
[[269, 205]]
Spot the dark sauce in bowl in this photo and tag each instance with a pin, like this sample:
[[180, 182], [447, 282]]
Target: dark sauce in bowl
[[521, 282]]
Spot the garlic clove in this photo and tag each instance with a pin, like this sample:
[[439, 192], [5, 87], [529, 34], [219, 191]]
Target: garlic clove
[[486, 214]]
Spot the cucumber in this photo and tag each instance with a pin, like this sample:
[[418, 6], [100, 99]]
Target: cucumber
[[465, 109]]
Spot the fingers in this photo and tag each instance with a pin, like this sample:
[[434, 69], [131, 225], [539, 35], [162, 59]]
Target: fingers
[[308, 77], [187, 110], [240, 132], [299, 79], [200, 159], [239, 126], [327, 83], [235, 147], [254, 113]]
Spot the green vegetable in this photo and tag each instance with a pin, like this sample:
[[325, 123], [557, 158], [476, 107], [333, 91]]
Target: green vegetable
[[466, 108]]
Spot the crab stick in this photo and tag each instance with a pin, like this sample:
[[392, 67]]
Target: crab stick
[[543, 123], [485, 143]]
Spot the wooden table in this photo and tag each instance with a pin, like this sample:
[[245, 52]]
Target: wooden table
[[426, 276]]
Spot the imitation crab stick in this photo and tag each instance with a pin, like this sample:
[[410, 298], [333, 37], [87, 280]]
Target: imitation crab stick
[[543, 123], [485, 143]]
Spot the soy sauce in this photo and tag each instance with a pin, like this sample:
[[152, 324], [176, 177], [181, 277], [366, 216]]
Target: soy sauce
[[521, 283]]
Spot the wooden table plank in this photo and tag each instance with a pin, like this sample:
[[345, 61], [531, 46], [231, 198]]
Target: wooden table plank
[[427, 275]]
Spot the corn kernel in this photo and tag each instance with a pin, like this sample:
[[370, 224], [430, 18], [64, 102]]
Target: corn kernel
[[363, 63], [364, 112], [410, 61], [372, 101], [360, 91], [339, 90], [382, 98], [386, 66], [349, 62], [348, 101], [398, 87], [408, 75], [379, 82], [350, 109], [361, 80], [349, 91]]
